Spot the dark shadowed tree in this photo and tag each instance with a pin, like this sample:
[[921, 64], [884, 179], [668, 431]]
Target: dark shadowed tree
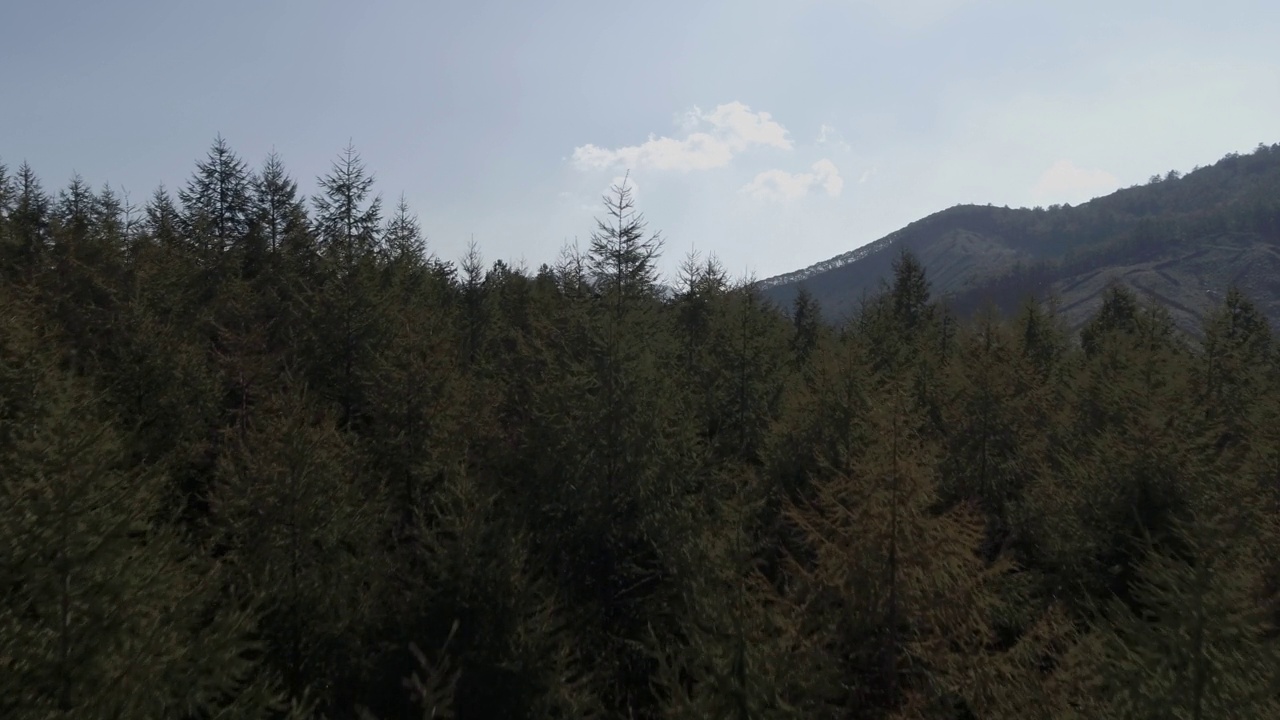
[[28, 226], [216, 208]]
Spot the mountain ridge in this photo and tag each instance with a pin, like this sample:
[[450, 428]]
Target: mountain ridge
[[1206, 230]]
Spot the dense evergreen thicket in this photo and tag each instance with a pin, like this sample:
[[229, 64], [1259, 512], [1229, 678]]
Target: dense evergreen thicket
[[264, 456]]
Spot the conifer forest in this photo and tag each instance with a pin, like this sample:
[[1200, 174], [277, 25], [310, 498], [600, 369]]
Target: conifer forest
[[268, 456]]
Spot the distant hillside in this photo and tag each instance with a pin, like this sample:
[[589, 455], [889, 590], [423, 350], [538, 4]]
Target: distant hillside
[[1180, 240]]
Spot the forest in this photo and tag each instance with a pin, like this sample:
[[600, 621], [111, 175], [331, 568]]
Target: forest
[[267, 456], [1192, 236]]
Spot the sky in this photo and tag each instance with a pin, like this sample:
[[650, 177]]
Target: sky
[[771, 133]]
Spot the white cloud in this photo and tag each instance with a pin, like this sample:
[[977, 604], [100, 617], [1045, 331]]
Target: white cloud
[[828, 135], [783, 186], [1066, 181], [732, 128], [744, 128]]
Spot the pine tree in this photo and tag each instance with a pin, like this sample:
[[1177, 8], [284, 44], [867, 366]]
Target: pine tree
[[108, 220], [346, 218], [1199, 646], [474, 317], [81, 274], [104, 613], [910, 293], [74, 211], [415, 397], [215, 204], [893, 323], [897, 597], [806, 319], [1124, 463], [161, 380], [28, 240], [1042, 338], [701, 284], [6, 203], [1118, 313], [163, 221], [995, 430], [1236, 353], [278, 211], [482, 591], [741, 374], [283, 266], [402, 237], [303, 533], [738, 652], [346, 316], [607, 450], [622, 261]]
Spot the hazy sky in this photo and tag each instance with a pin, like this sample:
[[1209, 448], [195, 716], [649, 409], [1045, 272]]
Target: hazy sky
[[773, 133]]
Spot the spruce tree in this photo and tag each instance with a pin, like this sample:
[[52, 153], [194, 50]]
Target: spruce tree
[[28, 240], [346, 303], [995, 430], [288, 279], [1118, 313], [405, 245], [278, 211], [610, 438], [216, 207], [104, 613], [896, 596], [74, 210], [1199, 645], [910, 292], [346, 217], [1123, 464], [108, 213], [1237, 351], [302, 532], [622, 261], [6, 202], [163, 221], [807, 323]]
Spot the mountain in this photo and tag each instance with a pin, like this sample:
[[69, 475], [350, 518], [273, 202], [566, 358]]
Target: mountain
[[1179, 240]]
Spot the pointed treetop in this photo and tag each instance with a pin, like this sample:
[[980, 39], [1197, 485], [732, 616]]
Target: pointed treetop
[[621, 258], [910, 290], [403, 235], [347, 219], [216, 200]]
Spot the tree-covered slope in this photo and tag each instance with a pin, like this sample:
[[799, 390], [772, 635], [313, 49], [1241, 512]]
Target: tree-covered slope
[[265, 456], [1180, 240]]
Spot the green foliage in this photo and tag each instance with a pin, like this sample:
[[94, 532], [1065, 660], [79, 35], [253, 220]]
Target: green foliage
[[301, 532], [265, 458], [1200, 646], [215, 204], [104, 612], [26, 239], [621, 259], [896, 594], [806, 318], [1170, 242], [1237, 351]]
